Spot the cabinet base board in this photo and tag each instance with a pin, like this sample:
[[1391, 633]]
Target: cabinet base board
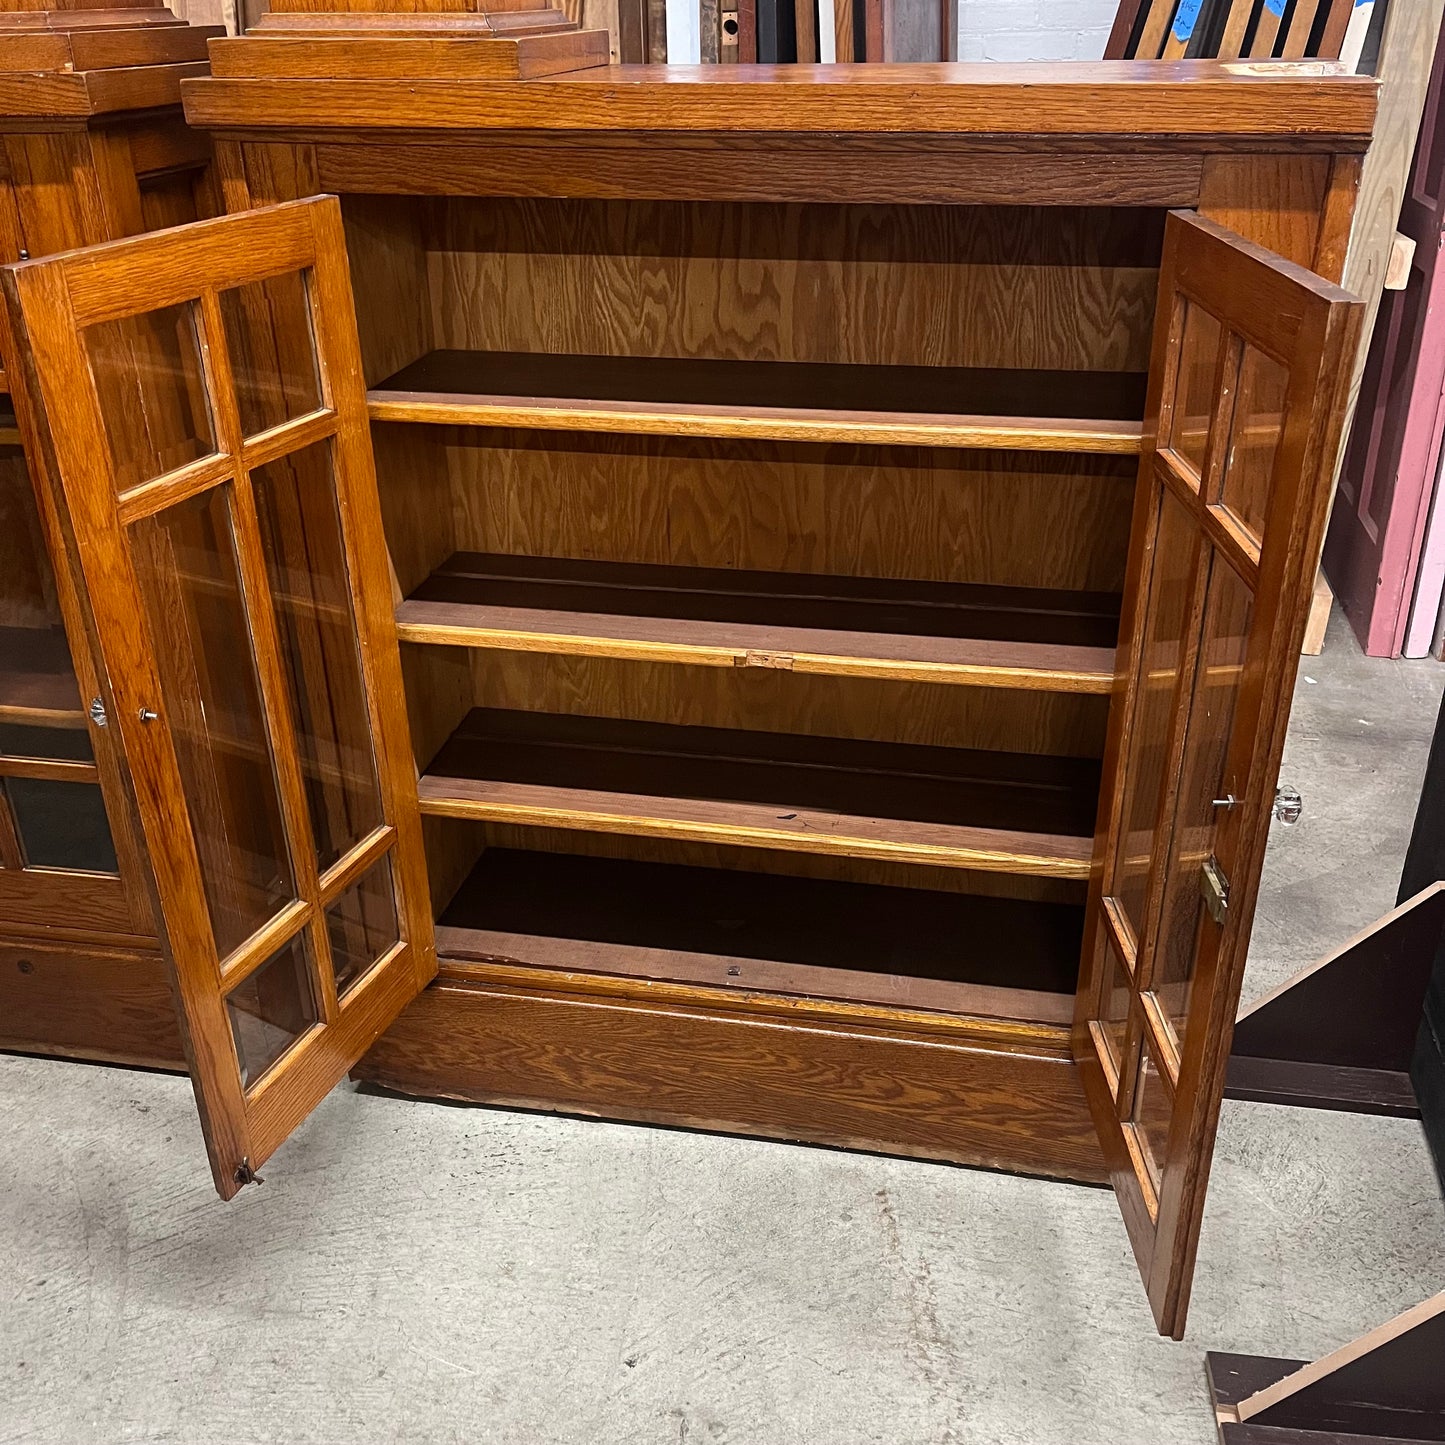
[[721, 1070], [105, 1005]]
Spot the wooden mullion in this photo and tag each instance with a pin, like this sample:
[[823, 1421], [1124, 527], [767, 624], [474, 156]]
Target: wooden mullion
[[275, 933], [370, 581], [352, 865], [289, 436], [174, 487], [266, 646], [1162, 1037], [1222, 534]]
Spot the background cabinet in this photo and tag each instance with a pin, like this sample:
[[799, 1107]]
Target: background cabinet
[[92, 146]]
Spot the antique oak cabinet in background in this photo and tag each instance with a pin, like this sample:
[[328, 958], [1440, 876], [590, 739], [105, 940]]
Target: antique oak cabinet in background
[[92, 147], [775, 611]]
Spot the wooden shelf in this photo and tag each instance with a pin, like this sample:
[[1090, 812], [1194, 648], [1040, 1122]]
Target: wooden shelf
[[760, 932], [37, 685], [1028, 638], [1071, 411], [949, 807]]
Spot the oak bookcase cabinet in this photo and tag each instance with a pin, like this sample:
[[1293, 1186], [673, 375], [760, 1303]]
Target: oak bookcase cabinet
[[773, 608], [92, 147]]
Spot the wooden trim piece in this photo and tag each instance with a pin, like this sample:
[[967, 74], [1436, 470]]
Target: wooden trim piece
[[431, 57], [1036, 434], [686, 166], [1102, 98], [475, 1036]]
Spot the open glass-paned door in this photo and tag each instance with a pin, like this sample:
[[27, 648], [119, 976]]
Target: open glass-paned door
[[1245, 407], [201, 395]]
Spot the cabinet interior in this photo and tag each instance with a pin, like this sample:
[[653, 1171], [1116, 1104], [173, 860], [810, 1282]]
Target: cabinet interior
[[760, 569]]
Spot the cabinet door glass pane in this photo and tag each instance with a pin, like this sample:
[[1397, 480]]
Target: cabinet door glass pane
[[61, 744], [152, 392], [1114, 1011], [61, 825], [362, 925], [306, 561], [273, 353], [1228, 610], [272, 1007], [1194, 390], [1254, 434], [1165, 622], [185, 558], [37, 681], [1151, 1116]]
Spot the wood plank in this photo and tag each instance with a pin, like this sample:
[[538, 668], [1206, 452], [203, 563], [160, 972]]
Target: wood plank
[[906, 948], [1042, 99], [949, 807], [774, 400], [845, 626]]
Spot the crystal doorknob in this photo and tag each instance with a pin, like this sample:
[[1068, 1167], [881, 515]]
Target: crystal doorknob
[[97, 712], [1288, 805]]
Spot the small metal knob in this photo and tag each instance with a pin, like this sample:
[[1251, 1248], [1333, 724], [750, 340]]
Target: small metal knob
[[147, 716], [1288, 805], [1226, 802], [24, 254], [97, 712]]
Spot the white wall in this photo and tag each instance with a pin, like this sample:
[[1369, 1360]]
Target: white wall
[[1034, 29]]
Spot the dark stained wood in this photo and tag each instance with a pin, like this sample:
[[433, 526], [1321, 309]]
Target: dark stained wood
[[691, 1056], [1012, 637], [1359, 1007], [1308, 1085], [1384, 1386], [761, 932], [1014, 813]]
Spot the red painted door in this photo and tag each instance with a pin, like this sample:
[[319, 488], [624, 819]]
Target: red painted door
[[1372, 551]]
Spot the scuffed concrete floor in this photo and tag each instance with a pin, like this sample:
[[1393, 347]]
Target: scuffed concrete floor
[[411, 1272]]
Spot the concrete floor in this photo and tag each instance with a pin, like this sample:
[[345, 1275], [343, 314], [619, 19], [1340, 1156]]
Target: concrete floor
[[411, 1272]]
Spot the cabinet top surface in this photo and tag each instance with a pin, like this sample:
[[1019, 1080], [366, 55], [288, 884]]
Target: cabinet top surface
[[1163, 100]]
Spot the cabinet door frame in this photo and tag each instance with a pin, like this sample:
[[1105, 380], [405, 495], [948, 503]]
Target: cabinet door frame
[[1294, 320], [52, 302]]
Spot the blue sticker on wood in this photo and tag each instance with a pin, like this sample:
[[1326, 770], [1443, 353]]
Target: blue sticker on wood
[[1275, 7], [1184, 19]]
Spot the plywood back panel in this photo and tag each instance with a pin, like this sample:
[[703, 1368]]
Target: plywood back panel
[[1027, 519], [772, 701], [1030, 287]]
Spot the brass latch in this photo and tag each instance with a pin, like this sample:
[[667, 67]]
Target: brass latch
[[1214, 887]]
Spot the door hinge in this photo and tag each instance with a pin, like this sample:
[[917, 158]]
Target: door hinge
[[1214, 887], [246, 1175]]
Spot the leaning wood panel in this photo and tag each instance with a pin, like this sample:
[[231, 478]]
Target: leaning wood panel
[[853, 1088]]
